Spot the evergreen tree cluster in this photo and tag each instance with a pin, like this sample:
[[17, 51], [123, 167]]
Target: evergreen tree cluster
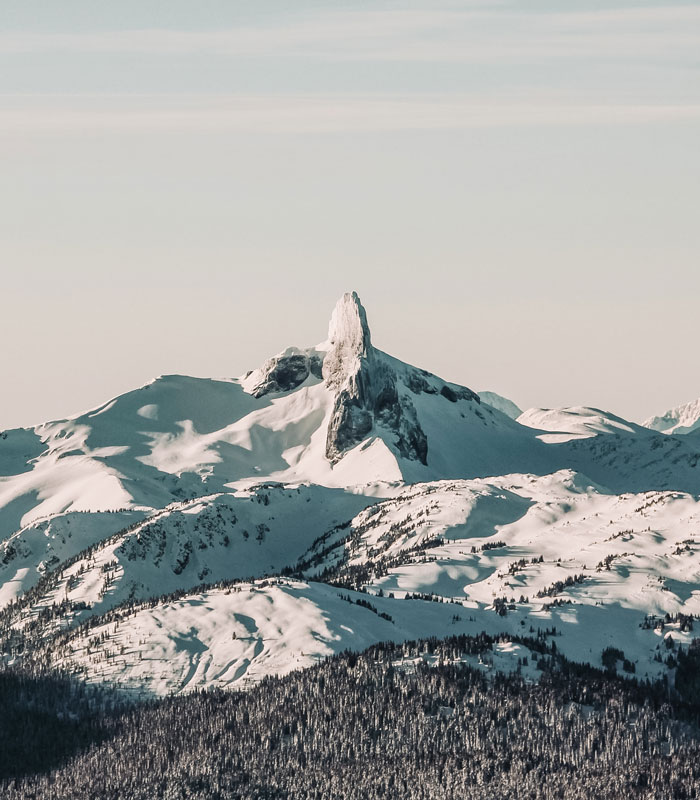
[[405, 720]]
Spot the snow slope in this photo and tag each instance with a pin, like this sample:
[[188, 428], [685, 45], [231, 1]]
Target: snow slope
[[254, 532], [41, 546], [500, 403], [233, 636]]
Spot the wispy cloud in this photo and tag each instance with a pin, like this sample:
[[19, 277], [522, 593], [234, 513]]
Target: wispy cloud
[[469, 34], [315, 114]]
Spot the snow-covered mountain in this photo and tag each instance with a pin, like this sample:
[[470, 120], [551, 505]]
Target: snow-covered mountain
[[198, 532], [502, 404], [342, 413], [680, 420], [579, 422]]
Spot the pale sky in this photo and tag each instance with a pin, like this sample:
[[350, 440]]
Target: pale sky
[[513, 188]]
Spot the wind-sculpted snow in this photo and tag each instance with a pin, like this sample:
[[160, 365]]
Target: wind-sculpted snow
[[339, 414]]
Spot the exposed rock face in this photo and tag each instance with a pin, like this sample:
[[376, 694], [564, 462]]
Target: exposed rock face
[[350, 341], [366, 389], [285, 372], [371, 391]]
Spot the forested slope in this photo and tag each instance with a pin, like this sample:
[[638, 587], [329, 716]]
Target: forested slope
[[410, 721]]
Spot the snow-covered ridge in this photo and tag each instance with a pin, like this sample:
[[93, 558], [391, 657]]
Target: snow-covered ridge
[[681, 420], [578, 422], [500, 403]]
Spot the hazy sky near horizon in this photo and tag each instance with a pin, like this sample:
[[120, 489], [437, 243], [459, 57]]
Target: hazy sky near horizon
[[513, 188]]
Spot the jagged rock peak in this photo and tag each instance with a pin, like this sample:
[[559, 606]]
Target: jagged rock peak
[[349, 344], [365, 388], [348, 326], [349, 339]]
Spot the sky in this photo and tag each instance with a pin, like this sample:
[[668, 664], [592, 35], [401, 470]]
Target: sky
[[513, 189]]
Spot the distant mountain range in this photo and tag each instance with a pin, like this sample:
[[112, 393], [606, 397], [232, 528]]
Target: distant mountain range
[[680, 420]]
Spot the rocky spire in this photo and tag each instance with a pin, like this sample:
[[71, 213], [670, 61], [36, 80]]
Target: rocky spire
[[366, 393], [349, 323], [350, 340]]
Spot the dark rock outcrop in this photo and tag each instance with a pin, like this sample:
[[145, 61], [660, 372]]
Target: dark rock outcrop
[[286, 372]]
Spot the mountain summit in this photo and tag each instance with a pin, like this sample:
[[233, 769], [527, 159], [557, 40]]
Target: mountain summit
[[365, 387], [372, 393], [348, 336]]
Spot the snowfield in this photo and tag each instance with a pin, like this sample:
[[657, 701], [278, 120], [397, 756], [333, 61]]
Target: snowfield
[[197, 532]]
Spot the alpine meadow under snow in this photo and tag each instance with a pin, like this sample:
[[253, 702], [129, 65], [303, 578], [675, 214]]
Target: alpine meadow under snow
[[212, 534]]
